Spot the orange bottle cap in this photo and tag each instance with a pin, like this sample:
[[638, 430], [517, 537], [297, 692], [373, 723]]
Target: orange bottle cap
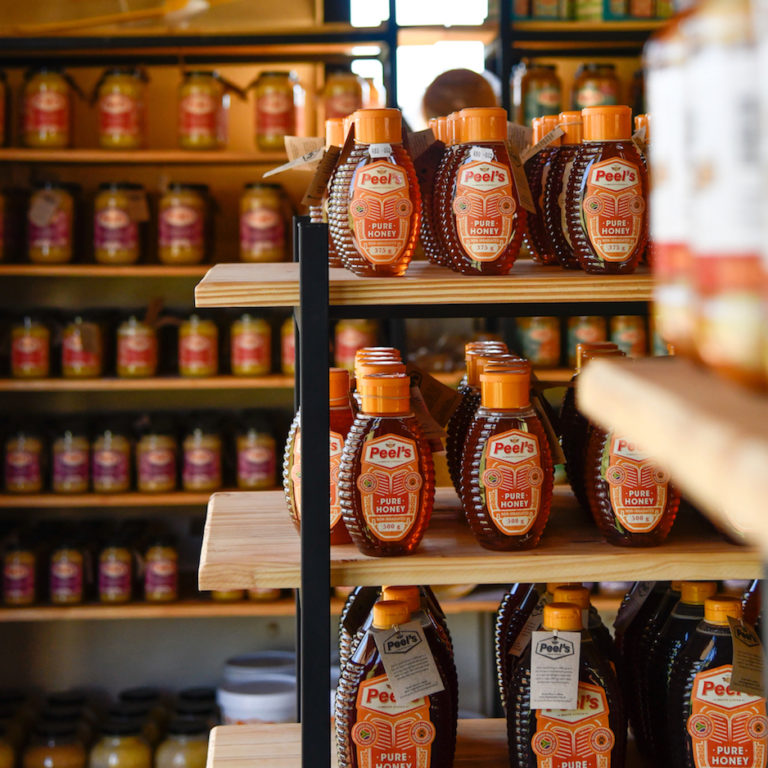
[[697, 592], [408, 595], [542, 126], [476, 363], [506, 389], [572, 126], [334, 132], [644, 121], [338, 386], [717, 609], [441, 129], [553, 585], [454, 129], [389, 613], [484, 124], [565, 617], [676, 586], [506, 362], [476, 347], [587, 346], [378, 126], [572, 593], [385, 393], [376, 365], [612, 123]]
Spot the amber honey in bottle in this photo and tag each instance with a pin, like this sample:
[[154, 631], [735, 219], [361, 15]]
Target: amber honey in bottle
[[372, 726], [426, 174], [592, 734], [341, 417], [606, 196], [578, 594], [483, 223], [554, 190], [709, 722], [386, 478], [374, 215], [538, 169], [441, 189], [507, 472]]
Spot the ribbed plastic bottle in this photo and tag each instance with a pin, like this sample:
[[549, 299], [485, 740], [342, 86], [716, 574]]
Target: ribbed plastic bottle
[[427, 182], [593, 734], [375, 214], [483, 223], [556, 185], [341, 418], [711, 724], [538, 170], [656, 667], [507, 472], [606, 196], [442, 193], [386, 478], [357, 608], [578, 594], [372, 726]]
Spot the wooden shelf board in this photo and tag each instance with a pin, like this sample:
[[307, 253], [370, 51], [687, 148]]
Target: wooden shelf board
[[138, 157], [604, 27], [135, 499], [102, 270], [277, 285], [710, 434], [250, 541], [164, 383]]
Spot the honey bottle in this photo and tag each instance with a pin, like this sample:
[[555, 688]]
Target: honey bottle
[[484, 223], [592, 734], [386, 477], [507, 472], [441, 190], [538, 169], [375, 213], [606, 194], [341, 418], [371, 364], [356, 610], [578, 594], [371, 723], [427, 184], [709, 722], [556, 186]]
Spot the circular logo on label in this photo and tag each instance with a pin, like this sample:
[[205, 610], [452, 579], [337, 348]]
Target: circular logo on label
[[593, 204], [16, 571], [73, 458], [637, 205], [660, 476], [275, 103], [507, 205], [461, 205], [601, 740], [367, 482], [114, 569], [107, 458], [492, 478], [359, 209], [544, 743], [180, 216], [422, 733], [700, 726], [535, 476], [28, 344], [64, 570], [116, 103], [541, 334], [412, 482], [549, 97], [198, 104], [403, 207], [138, 343], [113, 218], [73, 343], [160, 457], [364, 734], [262, 218], [249, 341], [616, 475], [757, 727]]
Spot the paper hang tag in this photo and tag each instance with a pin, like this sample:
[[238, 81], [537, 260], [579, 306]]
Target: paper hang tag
[[481, 154], [323, 173], [519, 137], [521, 180], [440, 399], [638, 139], [408, 661], [433, 432], [629, 610], [418, 142], [531, 625], [138, 209], [543, 143], [307, 162], [555, 669], [298, 146], [540, 406], [380, 151], [747, 673], [44, 206]]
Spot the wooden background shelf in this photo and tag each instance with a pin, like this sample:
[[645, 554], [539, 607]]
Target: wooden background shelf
[[137, 157], [103, 270], [165, 383], [113, 500]]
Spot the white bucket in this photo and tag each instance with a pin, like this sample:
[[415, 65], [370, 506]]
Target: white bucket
[[271, 699]]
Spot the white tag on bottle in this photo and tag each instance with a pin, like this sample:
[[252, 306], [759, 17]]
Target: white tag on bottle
[[481, 154], [635, 603], [408, 661], [555, 669], [378, 151], [530, 626], [44, 206], [747, 673]]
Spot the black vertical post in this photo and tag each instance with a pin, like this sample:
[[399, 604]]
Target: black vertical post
[[315, 627], [504, 66], [390, 62]]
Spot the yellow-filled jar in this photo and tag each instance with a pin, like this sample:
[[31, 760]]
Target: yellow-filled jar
[[19, 575], [47, 109], [51, 223], [342, 95], [227, 595], [202, 111], [256, 458], [250, 346], [275, 110], [115, 579], [198, 347], [156, 460], [82, 350], [288, 348], [186, 745], [117, 230], [23, 462], [136, 349], [66, 575], [30, 349], [121, 746], [122, 108], [55, 745], [71, 461], [111, 462], [201, 468], [262, 223], [183, 224], [161, 577]]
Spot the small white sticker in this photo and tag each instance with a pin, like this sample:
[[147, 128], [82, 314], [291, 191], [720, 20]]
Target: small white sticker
[[481, 154], [555, 669], [747, 673], [408, 661], [633, 605], [530, 626], [378, 151]]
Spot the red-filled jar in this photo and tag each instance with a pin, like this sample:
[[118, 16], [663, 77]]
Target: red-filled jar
[[30, 349], [250, 346], [82, 350], [24, 458], [161, 574], [122, 108], [203, 106], [201, 469], [71, 460], [198, 347], [47, 108]]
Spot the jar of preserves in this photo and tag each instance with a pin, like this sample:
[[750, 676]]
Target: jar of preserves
[[186, 745], [250, 346], [23, 462], [115, 577], [136, 349], [30, 349], [66, 574], [198, 347], [55, 744], [161, 575], [342, 95], [628, 333], [596, 85], [227, 595], [47, 108], [122, 110], [201, 469], [119, 210], [256, 458], [537, 91], [156, 459], [275, 110], [183, 223], [540, 340], [19, 574], [51, 223], [121, 746], [111, 461], [350, 336], [70, 460], [288, 348], [202, 111], [82, 350], [264, 594], [584, 328], [262, 223]]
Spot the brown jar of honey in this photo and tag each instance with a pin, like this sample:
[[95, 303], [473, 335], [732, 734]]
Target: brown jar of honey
[[82, 350], [183, 225], [119, 210], [250, 346], [71, 461], [262, 223], [111, 461], [51, 223], [47, 108], [24, 460], [202, 111], [201, 468], [275, 110], [136, 349], [122, 108], [156, 453], [30, 349], [198, 347]]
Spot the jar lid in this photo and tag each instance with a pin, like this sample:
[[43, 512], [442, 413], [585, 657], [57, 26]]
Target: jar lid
[[188, 726], [55, 729], [71, 714], [378, 126], [121, 727], [133, 710], [67, 699], [52, 184], [202, 73], [263, 185], [277, 73], [43, 69], [199, 709], [116, 185], [563, 616], [145, 694], [200, 693], [181, 186], [131, 71]]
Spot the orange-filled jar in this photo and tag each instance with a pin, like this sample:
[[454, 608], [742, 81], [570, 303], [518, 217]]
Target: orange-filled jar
[[351, 336], [24, 460], [202, 111], [540, 340], [584, 329], [183, 225], [70, 459], [51, 223], [275, 110], [342, 95], [250, 346], [161, 577], [596, 85], [628, 333], [288, 347], [198, 347], [47, 108], [117, 229], [136, 349], [256, 457], [156, 453], [19, 574], [262, 223], [82, 350], [122, 108], [201, 462], [30, 349]]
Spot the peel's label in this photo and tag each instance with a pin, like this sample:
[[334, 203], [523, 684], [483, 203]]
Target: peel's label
[[727, 728], [511, 480], [581, 737], [120, 115], [380, 212], [390, 485], [388, 732], [46, 111], [484, 206], [614, 209], [638, 488]]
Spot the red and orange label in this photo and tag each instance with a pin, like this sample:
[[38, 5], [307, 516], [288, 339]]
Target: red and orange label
[[390, 486], [638, 488], [485, 207], [580, 737], [727, 728], [380, 212], [510, 479], [614, 208], [388, 733]]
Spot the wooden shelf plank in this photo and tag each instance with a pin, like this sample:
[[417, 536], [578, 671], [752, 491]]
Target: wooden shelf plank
[[711, 435], [605, 28], [164, 383], [134, 499], [138, 157], [277, 285], [103, 270], [249, 541]]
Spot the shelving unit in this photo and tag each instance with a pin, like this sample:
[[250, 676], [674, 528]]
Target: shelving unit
[[136, 157], [155, 384], [98, 500]]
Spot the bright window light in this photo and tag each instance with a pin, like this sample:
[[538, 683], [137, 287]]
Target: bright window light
[[368, 13], [447, 13]]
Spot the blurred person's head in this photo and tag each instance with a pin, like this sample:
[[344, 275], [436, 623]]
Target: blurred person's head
[[454, 90]]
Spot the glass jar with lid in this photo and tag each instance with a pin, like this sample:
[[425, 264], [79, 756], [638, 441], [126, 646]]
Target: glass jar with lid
[[198, 347], [120, 209], [30, 349], [139, 714], [71, 460], [156, 453], [51, 222], [136, 349], [595, 85], [66, 574], [250, 346], [148, 697], [275, 110], [262, 223], [206, 711], [47, 108], [115, 572], [186, 745], [24, 460], [161, 575], [256, 459], [54, 744], [183, 225], [201, 470], [203, 103], [122, 108], [19, 573], [82, 350], [111, 460], [121, 746], [342, 94], [537, 91]]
